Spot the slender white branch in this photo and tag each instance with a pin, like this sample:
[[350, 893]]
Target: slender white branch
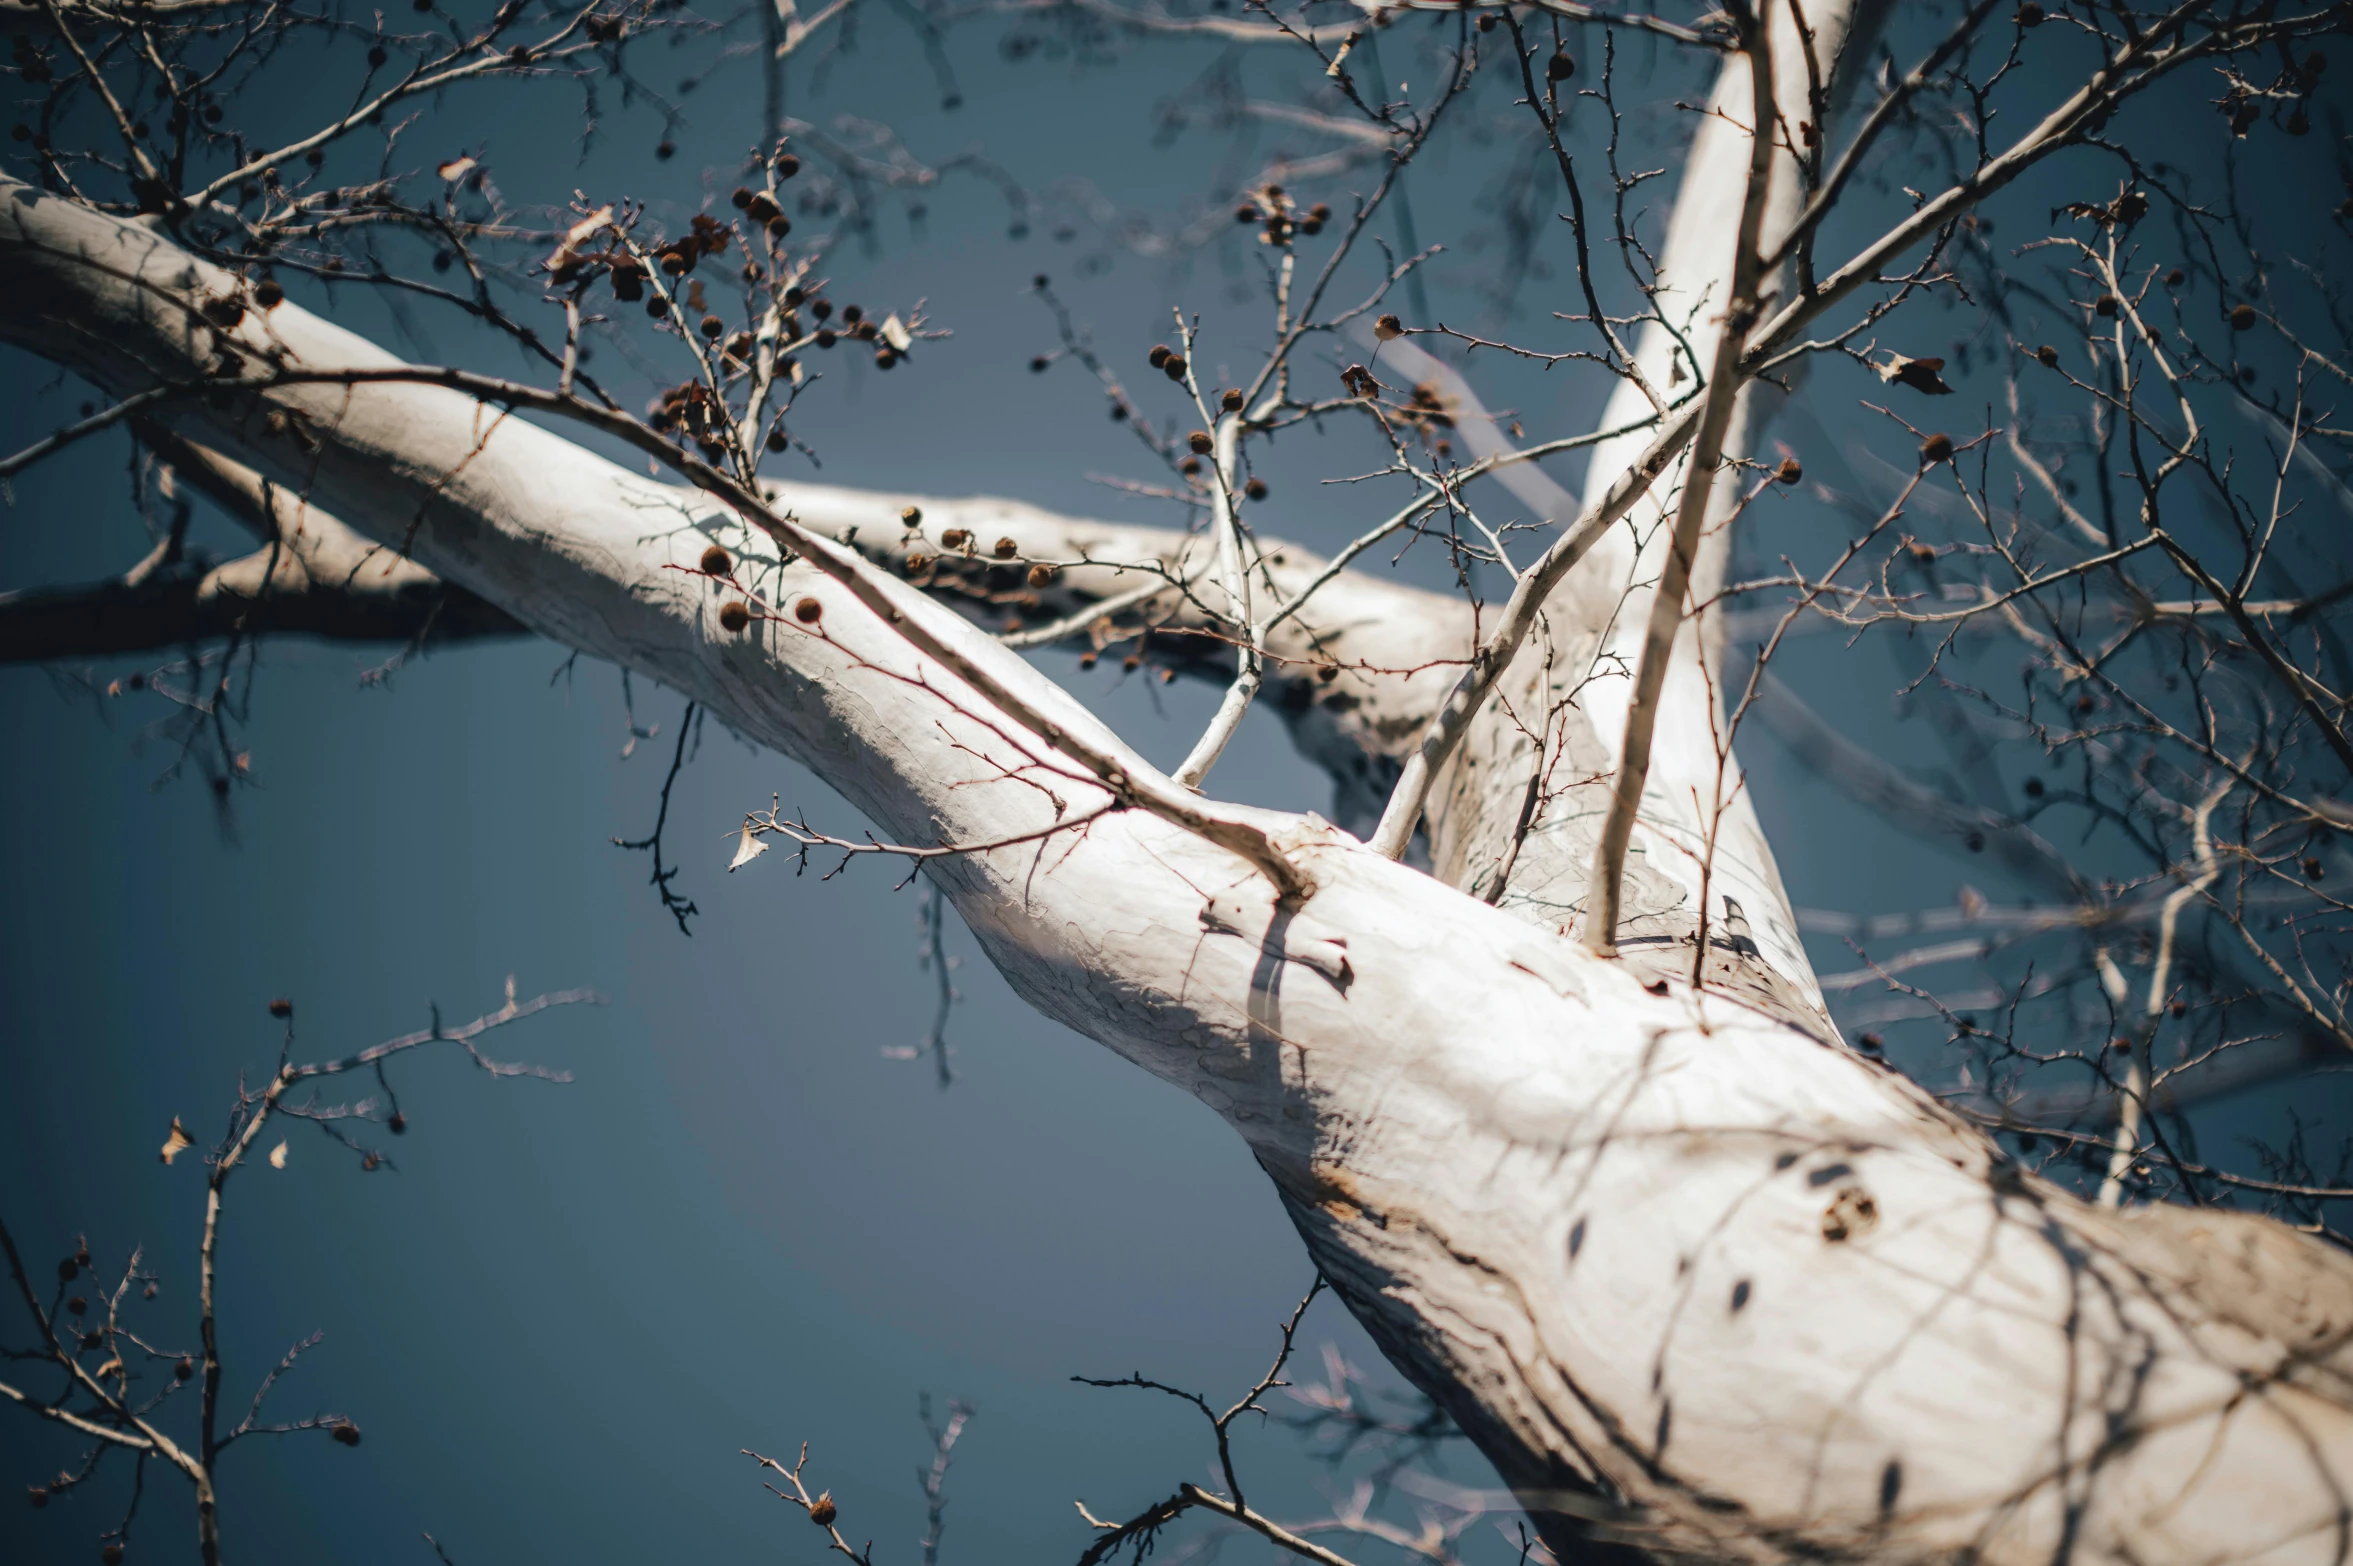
[[1600, 929]]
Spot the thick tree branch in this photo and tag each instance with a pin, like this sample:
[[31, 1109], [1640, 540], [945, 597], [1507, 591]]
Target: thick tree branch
[[1648, 1246]]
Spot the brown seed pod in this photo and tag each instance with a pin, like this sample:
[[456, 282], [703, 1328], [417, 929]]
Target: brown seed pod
[[712, 326], [957, 538], [826, 337], [2106, 305], [268, 294], [1388, 326], [281, 1008], [822, 1511], [1174, 369], [1790, 471], [740, 197], [776, 440], [346, 1432], [2242, 317], [734, 616], [1486, 21], [917, 562], [398, 1125], [716, 562], [808, 611], [911, 517], [1200, 442], [1230, 400], [1936, 448], [779, 226], [2048, 355], [2179, 1008], [1190, 467], [76, 1305], [68, 1268], [1560, 67], [1159, 354], [2030, 14], [112, 1555], [1245, 213], [1255, 489], [183, 1368], [884, 358], [1006, 549], [787, 166], [1041, 573]]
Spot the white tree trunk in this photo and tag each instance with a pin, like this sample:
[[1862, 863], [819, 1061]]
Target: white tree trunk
[[1672, 1263]]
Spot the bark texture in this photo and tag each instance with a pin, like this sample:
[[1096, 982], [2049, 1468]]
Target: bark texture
[[1695, 1279]]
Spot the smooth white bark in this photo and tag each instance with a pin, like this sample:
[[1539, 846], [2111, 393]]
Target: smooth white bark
[[1666, 1259]]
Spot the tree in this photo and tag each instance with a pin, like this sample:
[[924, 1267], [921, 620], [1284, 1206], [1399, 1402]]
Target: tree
[[1558, 1108]]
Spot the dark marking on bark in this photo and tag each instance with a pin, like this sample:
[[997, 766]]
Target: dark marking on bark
[[1851, 1213]]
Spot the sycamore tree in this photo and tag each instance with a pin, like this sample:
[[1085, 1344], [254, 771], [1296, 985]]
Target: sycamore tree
[[1524, 1035]]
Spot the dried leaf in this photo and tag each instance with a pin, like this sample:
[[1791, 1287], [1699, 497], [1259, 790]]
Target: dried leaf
[[751, 847], [178, 1142], [278, 1155], [567, 254], [455, 169], [894, 332], [579, 233], [1919, 374]]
